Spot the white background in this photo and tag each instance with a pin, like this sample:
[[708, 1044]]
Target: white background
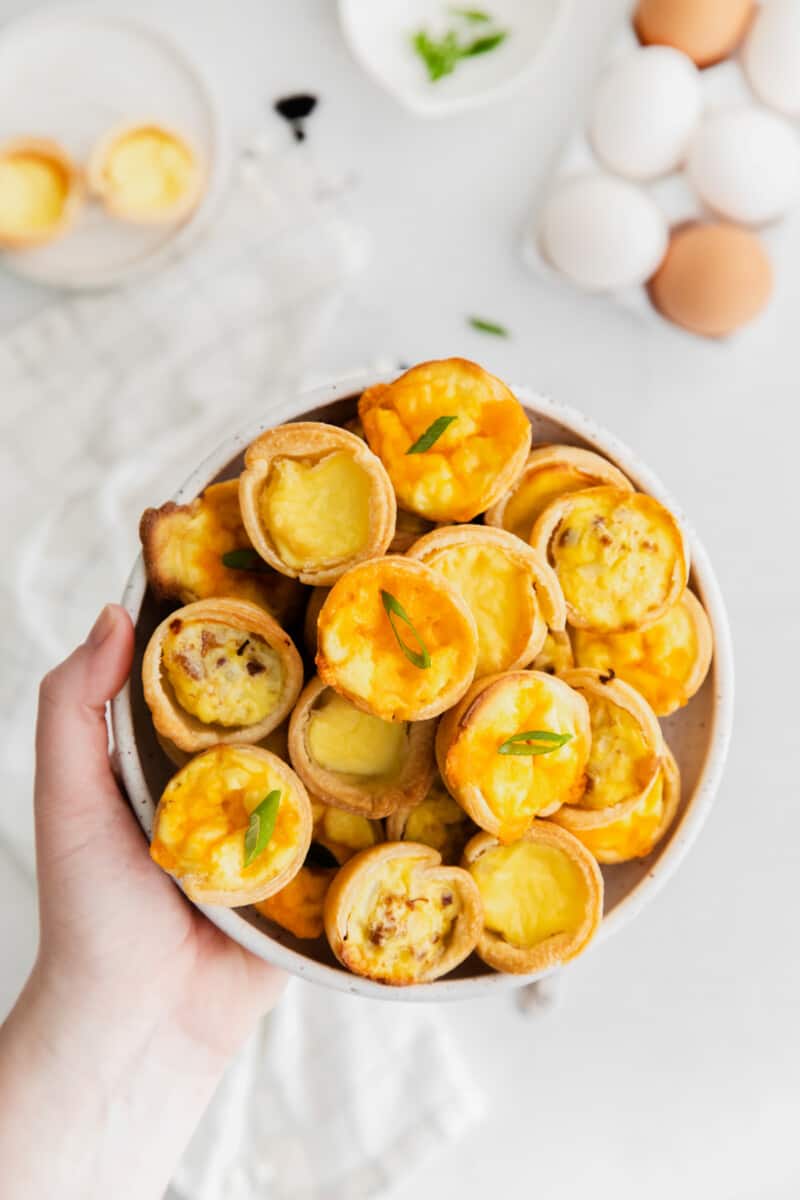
[[672, 1066]]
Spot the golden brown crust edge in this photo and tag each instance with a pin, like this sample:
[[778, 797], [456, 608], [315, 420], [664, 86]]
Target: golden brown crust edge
[[178, 211], [76, 191]]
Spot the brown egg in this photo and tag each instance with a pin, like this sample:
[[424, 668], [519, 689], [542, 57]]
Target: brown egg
[[706, 30], [714, 278]]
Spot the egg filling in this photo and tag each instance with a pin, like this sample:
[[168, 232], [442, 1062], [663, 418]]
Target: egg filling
[[340, 737], [149, 170], [631, 836], [535, 492], [220, 675], [555, 655], [441, 823], [345, 833], [621, 762], [33, 194], [298, 906], [530, 892]]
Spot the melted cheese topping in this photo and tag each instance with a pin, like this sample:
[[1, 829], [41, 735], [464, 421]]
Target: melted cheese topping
[[33, 194], [616, 554], [341, 738], [441, 823], [632, 836], [346, 833], [530, 892], [204, 814], [317, 513], [298, 906], [535, 491], [555, 655], [500, 596], [149, 170], [220, 675], [620, 761], [454, 480]]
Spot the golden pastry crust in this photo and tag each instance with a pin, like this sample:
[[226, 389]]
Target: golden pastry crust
[[202, 818], [183, 547], [411, 761], [667, 662], [504, 792], [408, 529], [316, 600], [558, 947], [632, 829], [438, 821], [277, 742], [122, 155], [359, 655], [475, 459], [621, 558], [396, 915], [45, 157], [555, 655], [224, 680], [512, 592], [360, 530], [550, 472]]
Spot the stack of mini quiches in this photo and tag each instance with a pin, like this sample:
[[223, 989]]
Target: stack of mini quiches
[[490, 635]]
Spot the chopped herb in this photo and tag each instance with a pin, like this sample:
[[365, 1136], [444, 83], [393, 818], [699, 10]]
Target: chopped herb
[[320, 856], [484, 45], [476, 15], [488, 326], [244, 560], [441, 55], [261, 826], [395, 609], [431, 435], [534, 742]]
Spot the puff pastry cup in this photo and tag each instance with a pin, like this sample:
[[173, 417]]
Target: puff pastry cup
[[511, 591], [185, 548], [633, 828], [41, 192], [146, 173], [621, 558], [219, 671], [315, 501], [395, 914], [470, 463], [437, 821], [397, 640], [203, 817], [542, 898], [550, 472], [355, 760], [500, 785], [667, 662]]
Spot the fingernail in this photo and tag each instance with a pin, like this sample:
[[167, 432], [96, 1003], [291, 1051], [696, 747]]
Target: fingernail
[[101, 628]]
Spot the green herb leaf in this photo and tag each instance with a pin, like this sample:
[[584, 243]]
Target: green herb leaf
[[488, 326], [534, 742], [320, 856], [440, 57], [431, 435], [243, 560], [261, 826], [483, 45], [395, 609], [476, 15]]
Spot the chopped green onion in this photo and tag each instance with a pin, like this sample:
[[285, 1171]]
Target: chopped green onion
[[488, 326], [534, 742], [261, 827], [395, 609], [431, 435]]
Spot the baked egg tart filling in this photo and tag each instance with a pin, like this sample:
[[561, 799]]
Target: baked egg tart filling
[[555, 654], [146, 173], [343, 738], [437, 821], [39, 191]]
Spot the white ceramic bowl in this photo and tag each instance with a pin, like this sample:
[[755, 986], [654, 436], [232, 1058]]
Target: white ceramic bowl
[[698, 734]]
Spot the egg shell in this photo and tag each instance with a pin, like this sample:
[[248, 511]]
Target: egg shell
[[744, 164], [706, 30], [602, 232], [771, 55], [644, 112]]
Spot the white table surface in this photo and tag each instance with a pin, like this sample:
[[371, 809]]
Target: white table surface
[[672, 1065]]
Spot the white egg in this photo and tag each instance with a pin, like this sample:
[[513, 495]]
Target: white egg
[[744, 163], [602, 232], [644, 112], [771, 55]]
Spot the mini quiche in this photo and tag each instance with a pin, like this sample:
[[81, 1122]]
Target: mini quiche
[[627, 743], [356, 760], [41, 193], [667, 662], [219, 671], [542, 898], [437, 821], [199, 550], [146, 174], [452, 437], [396, 915], [511, 591], [620, 556], [515, 748], [551, 472], [555, 655], [233, 826], [397, 640], [315, 501], [631, 829]]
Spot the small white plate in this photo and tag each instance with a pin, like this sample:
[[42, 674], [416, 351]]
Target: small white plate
[[72, 74]]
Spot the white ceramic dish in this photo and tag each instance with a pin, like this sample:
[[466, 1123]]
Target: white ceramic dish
[[698, 734]]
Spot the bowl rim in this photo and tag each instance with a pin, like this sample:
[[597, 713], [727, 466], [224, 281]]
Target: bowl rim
[[128, 766]]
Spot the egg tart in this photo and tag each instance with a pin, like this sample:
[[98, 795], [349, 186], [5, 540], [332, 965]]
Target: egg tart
[[666, 662], [315, 501], [356, 760], [620, 557], [437, 821], [219, 671], [555, 654], [515, 748], [396, 915], [397, 640], [550, 472], [199, 550], [631, 829], [233, 826], [146, 174], [452, 437], [627, 744], [41, 193], [542, 898], [511, 591]]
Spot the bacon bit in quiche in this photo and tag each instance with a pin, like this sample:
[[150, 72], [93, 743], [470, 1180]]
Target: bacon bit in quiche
[[243, 646], [255, 668], [207, 642], [447, 899], [608, 675], [191, 669], [221, 662], [176, 626]]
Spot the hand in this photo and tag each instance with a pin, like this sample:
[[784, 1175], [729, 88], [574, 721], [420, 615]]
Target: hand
[[136, 1001]]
